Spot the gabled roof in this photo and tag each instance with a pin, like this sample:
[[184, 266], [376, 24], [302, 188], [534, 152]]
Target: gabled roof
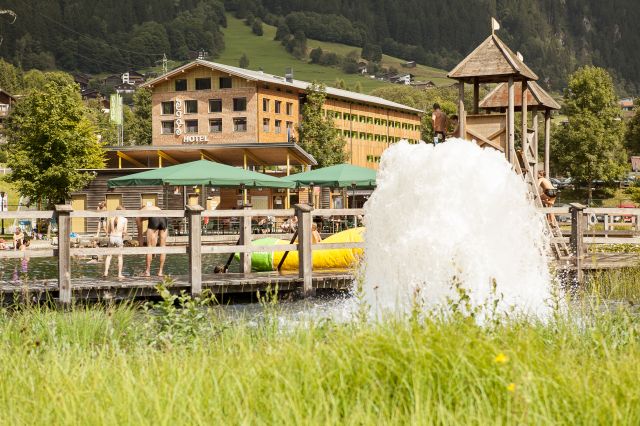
[[536, 97], [13, 98], [492, 62], [274, 79]]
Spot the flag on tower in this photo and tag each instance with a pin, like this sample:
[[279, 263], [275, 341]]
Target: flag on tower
[[495, 25]]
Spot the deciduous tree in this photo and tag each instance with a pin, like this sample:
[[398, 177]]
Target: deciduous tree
[[50, 142], [589, 147], [318, 135]]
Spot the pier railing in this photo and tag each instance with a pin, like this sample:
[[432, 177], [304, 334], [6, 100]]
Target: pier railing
[[583, 227], [301, 242]]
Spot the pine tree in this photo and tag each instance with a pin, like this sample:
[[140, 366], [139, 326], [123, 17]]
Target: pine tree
[[244, 61]]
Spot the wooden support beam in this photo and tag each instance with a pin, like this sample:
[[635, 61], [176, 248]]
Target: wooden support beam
[[287, 202], [253, 158], [577, 233], [194, 215], [462, 118], [208, 156], [535, 124], [64, 254], [305, 259], [244, 190], [245, 239], [476, 95], [547, 142], [511, 124], [165, 156], [130, 159], [525, 119]]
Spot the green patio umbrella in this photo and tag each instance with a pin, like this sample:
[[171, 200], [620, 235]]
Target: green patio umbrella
[[201, 172], [338, 176]]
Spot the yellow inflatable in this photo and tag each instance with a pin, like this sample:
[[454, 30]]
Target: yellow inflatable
[[322, 259]]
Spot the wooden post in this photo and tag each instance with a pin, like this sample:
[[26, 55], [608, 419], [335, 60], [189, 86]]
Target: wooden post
[[287, 202], [535, 125], [245, 239], [577, 233], [547, 142], [305, 259], [64, 254], [476, 95], [462, 119], [525, 120], [194, 215], [511, 123]]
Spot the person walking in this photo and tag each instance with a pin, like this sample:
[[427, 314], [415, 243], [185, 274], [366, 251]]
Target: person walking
[[439, 124], [116, 229], [157, 230]]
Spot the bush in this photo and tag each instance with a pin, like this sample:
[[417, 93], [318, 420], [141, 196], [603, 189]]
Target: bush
[[315, 55]]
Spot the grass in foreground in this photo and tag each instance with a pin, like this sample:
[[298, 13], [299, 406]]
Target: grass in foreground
[[119, 365]]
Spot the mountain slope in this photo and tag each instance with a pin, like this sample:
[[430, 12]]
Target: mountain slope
[[266, 53]]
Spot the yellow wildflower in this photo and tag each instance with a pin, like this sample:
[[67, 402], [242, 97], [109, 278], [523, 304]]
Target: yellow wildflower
[[511, 387], [501, 358]]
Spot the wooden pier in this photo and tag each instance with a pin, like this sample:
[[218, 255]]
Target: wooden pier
[[590, 229]]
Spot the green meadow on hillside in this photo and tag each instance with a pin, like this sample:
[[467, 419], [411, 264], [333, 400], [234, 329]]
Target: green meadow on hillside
[[266, 53]]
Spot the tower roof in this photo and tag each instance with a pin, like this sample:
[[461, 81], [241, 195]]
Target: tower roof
[[536, 97], [491, 62]]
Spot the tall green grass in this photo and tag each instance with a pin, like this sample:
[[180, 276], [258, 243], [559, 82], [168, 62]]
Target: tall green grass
[[164, 365]]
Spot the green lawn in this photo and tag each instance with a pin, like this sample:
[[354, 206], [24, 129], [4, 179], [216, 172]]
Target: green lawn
[[266, 53], [118, 365]]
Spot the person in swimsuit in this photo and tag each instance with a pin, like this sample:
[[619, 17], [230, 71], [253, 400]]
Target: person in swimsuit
[[102, 223], [439, 123], [548, 193], [157, 230], [116, 229]]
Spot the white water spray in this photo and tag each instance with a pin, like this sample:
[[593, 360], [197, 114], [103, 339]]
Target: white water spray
[[454, 212]]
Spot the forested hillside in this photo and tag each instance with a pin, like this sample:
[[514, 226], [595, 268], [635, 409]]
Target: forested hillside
[[555, 36]]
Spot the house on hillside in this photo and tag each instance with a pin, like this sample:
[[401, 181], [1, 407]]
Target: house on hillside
[[124, 88], [627, 106], [409, 64], [402, 79], [423, 85], [82, 80], [91, 94], [6, 104]]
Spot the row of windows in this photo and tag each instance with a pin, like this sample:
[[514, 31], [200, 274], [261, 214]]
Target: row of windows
[[371, 120], [181, 85], [215, 126], [277, 106], [191, 106], [374, 137], [266, 126]]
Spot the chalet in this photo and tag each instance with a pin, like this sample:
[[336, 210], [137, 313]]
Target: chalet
[[423, 85], [112, 80], [402, 79], [409, 64], [125, 88], [82, 80], [627, 106]]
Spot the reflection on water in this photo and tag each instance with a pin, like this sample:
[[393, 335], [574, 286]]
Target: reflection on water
[[38, 268]]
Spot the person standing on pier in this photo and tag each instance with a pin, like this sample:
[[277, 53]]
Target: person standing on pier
[[548, 194], [102, 222], [439, 124], [157, 230], [116, 229]]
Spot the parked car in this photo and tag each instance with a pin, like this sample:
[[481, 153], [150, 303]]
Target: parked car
[[625, 218]]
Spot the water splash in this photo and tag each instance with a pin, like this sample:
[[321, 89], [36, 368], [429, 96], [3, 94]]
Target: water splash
[[453, 213]]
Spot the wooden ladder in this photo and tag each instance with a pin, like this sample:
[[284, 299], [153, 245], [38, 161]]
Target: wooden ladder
[[525, 167]]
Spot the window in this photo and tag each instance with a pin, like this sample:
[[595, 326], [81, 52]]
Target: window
[[239, 104], [265, 105], [363, 136], [191, 126], [278, 126], [277, 107], [265, 125], [191, 107], [240, 124], [363, 119], [215, 105], [181, 85], [167, 127], [225, 82], [215, 125], [289, 130], [370, 120], [289, 108], [384, 122], [167, 108], [203, 83]]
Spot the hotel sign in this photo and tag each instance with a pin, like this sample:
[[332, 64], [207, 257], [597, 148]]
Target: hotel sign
[[195, 139], [179, 122]]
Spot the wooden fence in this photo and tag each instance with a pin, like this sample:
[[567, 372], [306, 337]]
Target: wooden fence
[[588, 226], [194, 248]]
